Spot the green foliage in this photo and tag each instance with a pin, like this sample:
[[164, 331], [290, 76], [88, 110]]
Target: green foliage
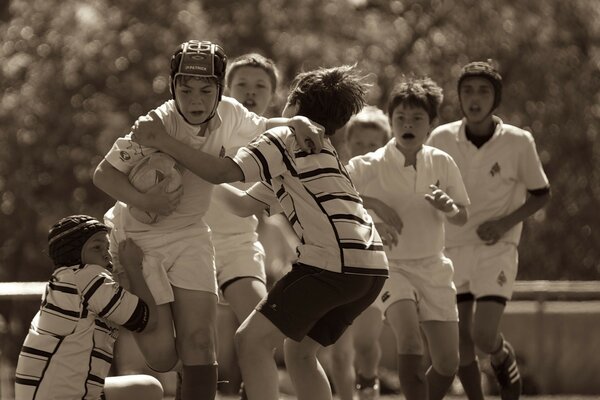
[[75, 75]]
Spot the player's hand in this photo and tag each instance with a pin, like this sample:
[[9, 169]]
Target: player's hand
[[439, 199], [388, 234], [491, 231], [130, 255], [149, 131], [158, 200], [309, 134]]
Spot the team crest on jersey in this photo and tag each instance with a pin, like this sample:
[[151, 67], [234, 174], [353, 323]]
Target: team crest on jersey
[[385, 296], [222, 152], [495, 169], [501, 278]]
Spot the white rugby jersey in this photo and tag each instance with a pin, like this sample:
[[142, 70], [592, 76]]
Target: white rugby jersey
[[69, 348], [319, 200], [497, 175], [233, 125], [382, 175]]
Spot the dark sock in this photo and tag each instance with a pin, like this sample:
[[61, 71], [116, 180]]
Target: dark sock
[[411, 371], [199, 382], [438, 384], [470, 378]]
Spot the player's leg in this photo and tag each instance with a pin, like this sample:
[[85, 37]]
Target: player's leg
[[255, 341], [442, 339], [307, 374], [366, 331], [493, 283], [158, 346], [229, 370], [195, 323], [404, 322], [129, 387], [469, 372], [242, 294], [488, 338], [341, 368]]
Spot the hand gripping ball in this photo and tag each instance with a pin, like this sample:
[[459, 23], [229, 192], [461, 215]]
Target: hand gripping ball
[[150, 171]]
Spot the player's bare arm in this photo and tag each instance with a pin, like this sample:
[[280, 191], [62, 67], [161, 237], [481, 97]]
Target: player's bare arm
[[238, 201], [388, 233], [456, 214], [492, 231], [116, 184], [387, 214], [309, 134], [149, 131]]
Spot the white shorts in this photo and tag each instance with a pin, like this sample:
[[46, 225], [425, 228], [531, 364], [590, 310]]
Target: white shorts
[[183, 258], [235, 259], [485, 270], [426, 281]]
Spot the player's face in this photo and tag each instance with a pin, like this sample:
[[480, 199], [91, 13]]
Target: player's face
[[365, 140], [252, 87], [196, 98], [411, 127], [476, 98], [95, 250]]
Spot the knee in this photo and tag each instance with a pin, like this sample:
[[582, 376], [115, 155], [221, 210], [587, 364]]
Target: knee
[[161, 364], [247, 343], [201, 340], [341, 360], [485, 340], [410, 345], [447, 365]]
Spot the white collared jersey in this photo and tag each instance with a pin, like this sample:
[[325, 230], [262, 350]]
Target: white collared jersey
[[68, 351], [497, 175], [318, 199], [382, 175], [232, 126]]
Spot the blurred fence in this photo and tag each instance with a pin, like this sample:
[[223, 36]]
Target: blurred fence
[[553, 325]]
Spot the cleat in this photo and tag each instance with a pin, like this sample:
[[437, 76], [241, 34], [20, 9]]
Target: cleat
[[508, 376]]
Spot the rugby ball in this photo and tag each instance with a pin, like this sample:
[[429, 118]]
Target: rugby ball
[[147, 173]]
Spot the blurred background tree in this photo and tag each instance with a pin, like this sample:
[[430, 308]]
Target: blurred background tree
[[75, 75]]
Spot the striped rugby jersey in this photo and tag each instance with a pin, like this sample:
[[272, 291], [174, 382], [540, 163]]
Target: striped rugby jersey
[[69, 348], [320, 202]]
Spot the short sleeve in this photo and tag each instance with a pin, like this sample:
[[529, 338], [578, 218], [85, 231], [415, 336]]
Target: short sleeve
[[264, 158], [456, 187], [125, 154], [247, 125], [531, 172], [362, 170], [103, 296]]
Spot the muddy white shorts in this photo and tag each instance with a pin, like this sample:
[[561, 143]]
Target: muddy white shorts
[[485, 270], [426, 281]]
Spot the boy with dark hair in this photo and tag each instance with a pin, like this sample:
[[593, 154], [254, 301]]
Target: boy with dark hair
[[68, 351], [506, 183], [423, 186], [341, 264]]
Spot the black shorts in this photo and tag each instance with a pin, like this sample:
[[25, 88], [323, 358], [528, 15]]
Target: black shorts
[[318, 303]]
